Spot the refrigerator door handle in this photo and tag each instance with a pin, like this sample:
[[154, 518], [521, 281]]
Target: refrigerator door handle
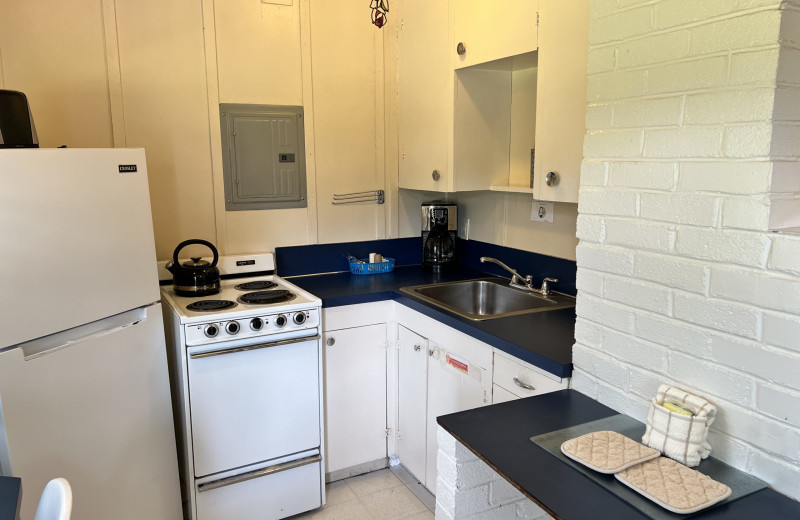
[[263, 472], [67, 338]]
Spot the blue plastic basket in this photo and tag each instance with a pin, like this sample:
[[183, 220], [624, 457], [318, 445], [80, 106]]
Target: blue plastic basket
[[386, 266]]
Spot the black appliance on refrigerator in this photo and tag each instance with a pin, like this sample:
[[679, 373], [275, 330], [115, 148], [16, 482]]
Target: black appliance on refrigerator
[[439, 225]]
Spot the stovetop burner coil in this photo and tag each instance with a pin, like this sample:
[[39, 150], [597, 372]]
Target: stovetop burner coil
[[266, 297], [210, 305], [256, 285]]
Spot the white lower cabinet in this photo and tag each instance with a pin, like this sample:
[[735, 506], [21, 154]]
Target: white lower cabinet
[[355, 397], [437, 371], [440, 371], [412, 382], [455, 384], [501, 395]]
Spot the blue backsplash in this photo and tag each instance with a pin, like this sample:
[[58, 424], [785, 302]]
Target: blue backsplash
[[329, 258]]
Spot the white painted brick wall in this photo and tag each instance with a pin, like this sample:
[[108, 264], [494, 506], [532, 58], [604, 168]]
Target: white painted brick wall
[[690, 157], [467, 488]]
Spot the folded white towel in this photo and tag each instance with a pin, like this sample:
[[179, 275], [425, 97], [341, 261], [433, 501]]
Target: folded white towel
[[678, 436]]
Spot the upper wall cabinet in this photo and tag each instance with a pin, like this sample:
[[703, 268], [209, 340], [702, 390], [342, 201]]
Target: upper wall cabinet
[[561, 98], [488, 30], [470, 121], [455, 120]]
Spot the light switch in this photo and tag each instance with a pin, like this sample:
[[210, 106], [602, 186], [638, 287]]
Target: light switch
[[542, 212]]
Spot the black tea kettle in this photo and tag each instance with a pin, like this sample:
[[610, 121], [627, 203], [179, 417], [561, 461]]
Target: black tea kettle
[[194, 277]]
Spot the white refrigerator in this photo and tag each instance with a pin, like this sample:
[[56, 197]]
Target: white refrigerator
[[84, 384]]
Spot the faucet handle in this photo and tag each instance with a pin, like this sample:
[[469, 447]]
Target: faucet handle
[[545, 290]]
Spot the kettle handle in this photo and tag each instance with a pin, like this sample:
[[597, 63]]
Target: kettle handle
[[199, 242]]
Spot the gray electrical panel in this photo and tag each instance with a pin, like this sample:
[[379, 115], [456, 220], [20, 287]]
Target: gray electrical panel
[[263, 156]]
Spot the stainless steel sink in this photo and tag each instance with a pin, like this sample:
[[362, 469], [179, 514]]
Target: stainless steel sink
[[486, 299]]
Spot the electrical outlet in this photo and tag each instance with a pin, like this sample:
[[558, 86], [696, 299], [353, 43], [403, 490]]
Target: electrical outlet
[[464, 231], [542, 212]]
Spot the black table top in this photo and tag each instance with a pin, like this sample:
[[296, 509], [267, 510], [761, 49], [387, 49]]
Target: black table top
[[500, 435], [542, 339], [10, 497]]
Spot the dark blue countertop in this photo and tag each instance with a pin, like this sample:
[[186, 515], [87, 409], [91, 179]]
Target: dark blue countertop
[[542, 339], [10, 497], [500, 435]]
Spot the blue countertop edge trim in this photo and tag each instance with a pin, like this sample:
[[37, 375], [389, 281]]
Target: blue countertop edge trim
[[518, 352]]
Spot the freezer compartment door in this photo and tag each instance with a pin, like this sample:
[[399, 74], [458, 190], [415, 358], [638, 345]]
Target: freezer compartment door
[[278, 489], [95, 410], [254, 404], [72, 221]]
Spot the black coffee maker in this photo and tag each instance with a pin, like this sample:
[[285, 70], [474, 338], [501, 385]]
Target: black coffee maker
[[439, 225]]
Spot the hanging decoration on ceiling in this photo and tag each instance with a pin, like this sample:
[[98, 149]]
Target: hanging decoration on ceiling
[[379, 10]]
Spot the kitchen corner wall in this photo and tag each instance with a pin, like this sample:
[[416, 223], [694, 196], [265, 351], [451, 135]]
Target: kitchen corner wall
[[151, 74], [692, 128], [498, 218]]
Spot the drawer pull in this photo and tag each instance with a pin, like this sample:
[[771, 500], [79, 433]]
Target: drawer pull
[[271, 470], [416, 348], [520, 384]]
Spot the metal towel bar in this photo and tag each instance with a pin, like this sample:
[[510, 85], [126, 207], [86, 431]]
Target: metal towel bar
[[376, 196]]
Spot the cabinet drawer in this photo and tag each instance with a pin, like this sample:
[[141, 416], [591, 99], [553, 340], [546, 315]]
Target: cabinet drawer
[[516, 377], [501, 395]]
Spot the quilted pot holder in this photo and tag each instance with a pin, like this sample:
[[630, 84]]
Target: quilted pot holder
[[607, 451], [674, 486]]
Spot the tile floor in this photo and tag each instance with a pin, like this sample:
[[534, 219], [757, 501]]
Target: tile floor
[[388, 494]]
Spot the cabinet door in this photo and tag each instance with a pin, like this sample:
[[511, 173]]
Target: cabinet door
[[355, 396], [454, 384], [501, 395], [412, 389], [425, 95], [493, 30], [561, 97]]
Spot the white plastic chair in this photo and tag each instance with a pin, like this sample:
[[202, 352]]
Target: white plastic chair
[[56, 501]]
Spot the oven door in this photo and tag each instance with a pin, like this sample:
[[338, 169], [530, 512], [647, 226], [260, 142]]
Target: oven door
[[253, 402]]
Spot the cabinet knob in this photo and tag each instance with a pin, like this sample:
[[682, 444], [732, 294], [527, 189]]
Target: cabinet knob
[[416, 348], [436, 175], [461, 49], [330, 341], [551, 179]]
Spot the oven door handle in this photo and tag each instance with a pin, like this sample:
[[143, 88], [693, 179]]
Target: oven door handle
[[263, 472], [234, 350]]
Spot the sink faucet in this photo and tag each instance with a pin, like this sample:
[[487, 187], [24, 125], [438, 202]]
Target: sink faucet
[[522, 282]]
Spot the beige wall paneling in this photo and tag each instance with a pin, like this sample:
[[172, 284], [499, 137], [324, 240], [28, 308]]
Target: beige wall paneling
[[561, 93], [557, 239], [258, 52], [166, 112], [116, 102], [312, 228], [54, 53], [347, 70], [493, 30]]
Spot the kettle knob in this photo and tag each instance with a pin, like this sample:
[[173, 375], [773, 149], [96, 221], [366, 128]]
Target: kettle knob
[[196, 259]]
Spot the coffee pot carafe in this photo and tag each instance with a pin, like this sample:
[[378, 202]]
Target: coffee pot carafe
[[439, 225]]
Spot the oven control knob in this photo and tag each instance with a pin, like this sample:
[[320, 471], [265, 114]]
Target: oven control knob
[[299, 318], [211, 330], [232, 327], [280, 321], [256, 324]]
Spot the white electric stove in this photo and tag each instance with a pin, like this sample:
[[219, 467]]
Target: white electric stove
[[247, 390]]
